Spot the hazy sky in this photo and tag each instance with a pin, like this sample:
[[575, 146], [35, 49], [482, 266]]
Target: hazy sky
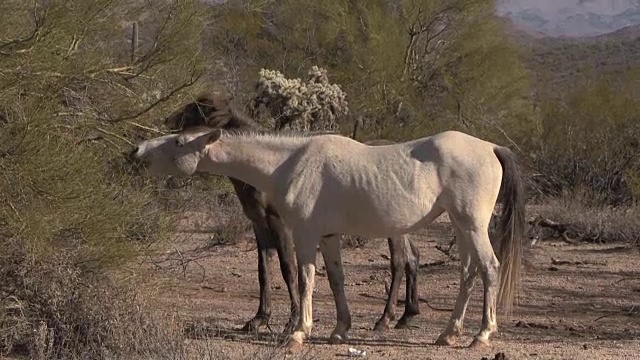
[[551, 8]]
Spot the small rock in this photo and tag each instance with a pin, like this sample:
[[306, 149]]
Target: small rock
[[553, 268], [353, 352], [498, 356], [585, 346]]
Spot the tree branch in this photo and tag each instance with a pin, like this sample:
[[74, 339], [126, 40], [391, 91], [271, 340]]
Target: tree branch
[[162, 99], [34, 36]]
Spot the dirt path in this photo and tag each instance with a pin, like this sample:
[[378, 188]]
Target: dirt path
[[576, 302]]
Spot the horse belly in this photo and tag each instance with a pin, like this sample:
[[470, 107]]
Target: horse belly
[[383, 218]]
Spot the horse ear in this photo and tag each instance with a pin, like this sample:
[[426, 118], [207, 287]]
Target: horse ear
[[221, 110], [214, 136]]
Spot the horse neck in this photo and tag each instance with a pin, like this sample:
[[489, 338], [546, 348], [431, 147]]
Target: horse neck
[[251, 159]]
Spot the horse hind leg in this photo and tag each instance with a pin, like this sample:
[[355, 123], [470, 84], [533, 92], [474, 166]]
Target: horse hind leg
[[489, 271], [398, 259], [412, 263], [468, 274]]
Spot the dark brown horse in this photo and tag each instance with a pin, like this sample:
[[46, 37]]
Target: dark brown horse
[[271, 234]]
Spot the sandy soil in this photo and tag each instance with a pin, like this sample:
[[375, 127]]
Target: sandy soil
[[576, 302]]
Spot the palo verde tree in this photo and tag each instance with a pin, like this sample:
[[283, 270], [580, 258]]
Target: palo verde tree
[[73, 80], [410, 67]]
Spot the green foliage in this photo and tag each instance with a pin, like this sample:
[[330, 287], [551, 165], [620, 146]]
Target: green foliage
[[409, 68], [61, 136], [69, 203], [589, 143], [559, 65]]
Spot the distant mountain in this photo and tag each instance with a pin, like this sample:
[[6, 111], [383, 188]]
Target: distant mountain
[[560, 64], [571, 18]]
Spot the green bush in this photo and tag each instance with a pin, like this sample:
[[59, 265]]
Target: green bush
[[589, 144], [72, 212]]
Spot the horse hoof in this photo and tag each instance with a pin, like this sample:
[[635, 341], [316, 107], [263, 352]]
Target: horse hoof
[[254, 324], [293, 346], [337, 339], [479, 344], [446, 340], [381, 326], [402, 325], [249, 327]]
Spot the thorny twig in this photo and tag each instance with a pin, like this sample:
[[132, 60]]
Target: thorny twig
[[182, 261], [146, 128], [633, 310], [114, 135], [401, 301]]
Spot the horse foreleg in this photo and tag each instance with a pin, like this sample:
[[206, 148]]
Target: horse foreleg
[[264, 279], [411, 307], [330, 248], [287, 257], [306, 257], [468, 273], [398, 260]]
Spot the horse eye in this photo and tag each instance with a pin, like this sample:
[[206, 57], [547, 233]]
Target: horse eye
[[179, 143]]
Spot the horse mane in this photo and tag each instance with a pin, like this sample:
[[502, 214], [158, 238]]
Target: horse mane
[[240, 119], [265, 134], [211, 109]]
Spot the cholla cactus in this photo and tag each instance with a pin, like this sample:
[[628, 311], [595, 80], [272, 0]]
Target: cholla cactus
[[313, 105]]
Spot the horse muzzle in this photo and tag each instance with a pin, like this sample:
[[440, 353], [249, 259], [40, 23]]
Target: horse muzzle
[[133, 156], [135, 159]]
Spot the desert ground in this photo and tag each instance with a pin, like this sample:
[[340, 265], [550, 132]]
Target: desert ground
[[576, 301]]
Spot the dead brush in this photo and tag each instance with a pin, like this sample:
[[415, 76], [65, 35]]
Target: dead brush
[[52, 307], [573, 221]]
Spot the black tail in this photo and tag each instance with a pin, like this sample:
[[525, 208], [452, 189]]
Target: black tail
[[511, 226]]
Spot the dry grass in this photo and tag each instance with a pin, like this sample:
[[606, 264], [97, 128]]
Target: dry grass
[[54, 307], [600, 224]]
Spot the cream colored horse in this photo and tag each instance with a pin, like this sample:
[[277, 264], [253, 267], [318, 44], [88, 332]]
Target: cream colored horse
[[327, 185]]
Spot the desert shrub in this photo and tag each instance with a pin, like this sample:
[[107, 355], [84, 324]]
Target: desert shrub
[[588, 223], [234, 225], [54, 307], [588, 144]]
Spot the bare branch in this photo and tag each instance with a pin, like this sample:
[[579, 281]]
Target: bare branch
[[162, 99], [114, 135]]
